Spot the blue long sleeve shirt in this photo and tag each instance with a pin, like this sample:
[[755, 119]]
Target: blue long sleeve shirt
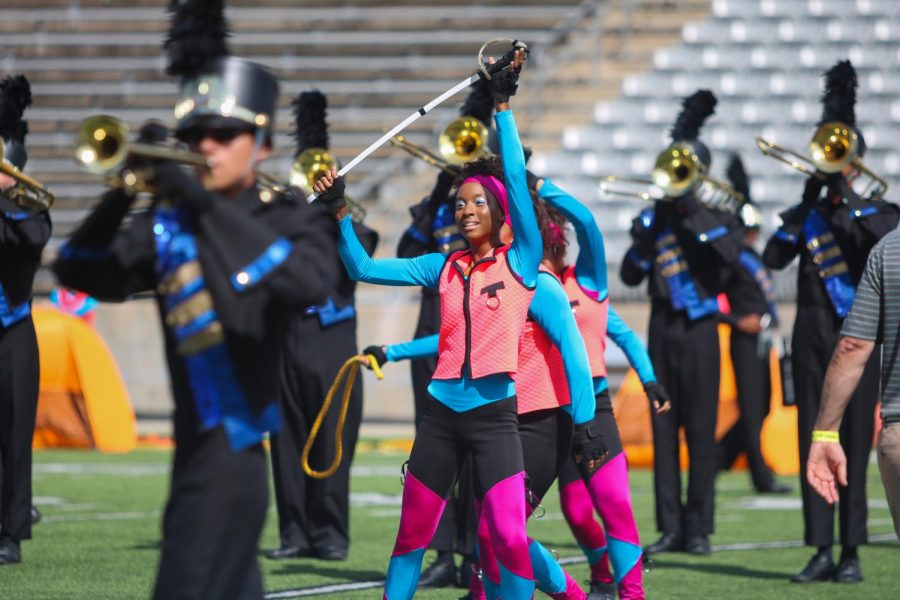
[[551, 311], [626, 339], [590, 266], [524, 258]]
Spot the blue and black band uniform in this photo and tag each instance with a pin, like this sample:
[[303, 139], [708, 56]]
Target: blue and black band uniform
[[833, 239]]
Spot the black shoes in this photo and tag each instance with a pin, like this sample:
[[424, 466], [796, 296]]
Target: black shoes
[[35, 515], [336, 553], [467, 570], [819, 568], [10, 553], [600, 590], [775, 488], [669, 542], [286, 552], [440, 573], [698, 545], [848, 571]]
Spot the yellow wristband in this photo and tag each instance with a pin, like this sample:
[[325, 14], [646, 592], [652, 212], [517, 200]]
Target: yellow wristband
[[826, 436]]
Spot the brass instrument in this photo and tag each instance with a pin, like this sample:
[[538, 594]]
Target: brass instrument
[[676, 172], [27, 192], [309, 166], [464, 139], [833, 147], [102, 147]]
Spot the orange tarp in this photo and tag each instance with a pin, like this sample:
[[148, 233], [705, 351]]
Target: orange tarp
[[83, 401], [779, 434]]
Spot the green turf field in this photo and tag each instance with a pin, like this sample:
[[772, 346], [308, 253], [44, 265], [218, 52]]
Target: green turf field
[[102, 515]]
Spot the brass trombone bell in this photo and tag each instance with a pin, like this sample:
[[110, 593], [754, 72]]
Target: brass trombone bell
[[676, 170], [464, 139], [309, 167], [102, 147], [27, 192]]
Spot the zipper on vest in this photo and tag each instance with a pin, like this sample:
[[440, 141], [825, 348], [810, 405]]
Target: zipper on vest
[[468, 317]]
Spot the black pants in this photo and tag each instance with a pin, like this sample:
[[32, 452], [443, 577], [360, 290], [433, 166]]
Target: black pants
[[606, 425], [754, 390], [314, 513], [685, 355], [215, 514], [816, 333], [546, 446], [19, 382], [458, 528]]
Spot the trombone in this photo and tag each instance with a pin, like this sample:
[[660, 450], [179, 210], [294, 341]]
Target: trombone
[[102, 147], [309, 166], [27, 192], [833, 147], [677, 171], [464, 139]]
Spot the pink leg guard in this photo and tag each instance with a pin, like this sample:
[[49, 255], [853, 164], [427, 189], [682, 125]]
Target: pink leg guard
[[578, 509], [611, 495], [503, 508]]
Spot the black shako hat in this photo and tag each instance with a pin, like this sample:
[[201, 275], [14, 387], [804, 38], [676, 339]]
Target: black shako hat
[[15, 97], [750, 214], [695, 109], [216, 89], [310, 125]]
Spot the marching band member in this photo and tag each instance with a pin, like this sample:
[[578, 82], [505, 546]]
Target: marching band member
[[228, 262], [751, 296], [686, 251], [832, 230], [23, 235]]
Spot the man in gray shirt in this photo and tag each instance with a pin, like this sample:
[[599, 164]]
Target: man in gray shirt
[[874, 319]]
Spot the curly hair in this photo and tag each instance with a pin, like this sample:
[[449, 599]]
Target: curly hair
[[554, 232]]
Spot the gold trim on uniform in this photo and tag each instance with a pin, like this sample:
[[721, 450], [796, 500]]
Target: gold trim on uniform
[[823, 240], [189, 309], [674, 269], [666, 240], [837, 269], [183, 275], [669, 255], [826, 255], [211, 335]]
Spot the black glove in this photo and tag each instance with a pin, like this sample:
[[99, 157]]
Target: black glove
[[588, 444], [378, 353], [656, 393], [172, 182], [504, 84], [812, 190], [333, 198]]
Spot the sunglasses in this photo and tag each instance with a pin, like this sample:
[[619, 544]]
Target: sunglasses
[[222, 135]]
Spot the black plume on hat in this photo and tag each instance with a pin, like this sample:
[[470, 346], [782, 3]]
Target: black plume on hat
[[15, 97], [737, 176], [695, 109], [479, 103], [310, 127], [839, 98], [197, 36]]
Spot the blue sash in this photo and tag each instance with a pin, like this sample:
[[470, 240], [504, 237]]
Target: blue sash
[[830, 263], [673, 267], [763, 278], [191, 318], [9, 315]]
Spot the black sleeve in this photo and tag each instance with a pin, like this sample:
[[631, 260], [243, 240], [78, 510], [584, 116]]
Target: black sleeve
[[638, 259], [22, 228], [720, 231], [874, 219], [784, 245], [106, 258], [283, 253]]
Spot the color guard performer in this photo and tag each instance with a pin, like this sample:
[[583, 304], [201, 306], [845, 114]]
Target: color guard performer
[[24, 232], [687, 252], [228, 261], [832, 229]]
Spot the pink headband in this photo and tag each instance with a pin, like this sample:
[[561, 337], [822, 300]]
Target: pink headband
[[497, 190]]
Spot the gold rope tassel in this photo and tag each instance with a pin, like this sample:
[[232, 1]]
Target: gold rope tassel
[[347, 377]]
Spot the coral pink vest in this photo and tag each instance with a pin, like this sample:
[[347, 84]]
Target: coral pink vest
[[541, 380], [482, 316], [592, 316]]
